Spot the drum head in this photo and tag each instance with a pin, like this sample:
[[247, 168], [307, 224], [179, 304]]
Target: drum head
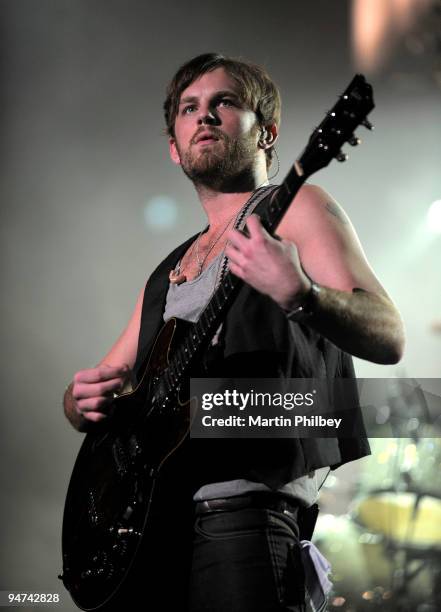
[[363, 568], [409, 519]]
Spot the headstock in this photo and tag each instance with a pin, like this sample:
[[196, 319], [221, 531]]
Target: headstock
[[338, 127]]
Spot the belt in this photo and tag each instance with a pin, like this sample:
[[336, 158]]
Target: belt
[[260, 500]]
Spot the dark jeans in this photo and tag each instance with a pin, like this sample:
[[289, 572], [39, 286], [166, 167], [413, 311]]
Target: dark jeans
[[246, 561], [240, 561]]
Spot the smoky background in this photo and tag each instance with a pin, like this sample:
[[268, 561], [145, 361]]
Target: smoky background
[[90, 203]]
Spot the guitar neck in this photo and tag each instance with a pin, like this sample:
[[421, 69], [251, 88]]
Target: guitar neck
[[202, 331], [273, 213]]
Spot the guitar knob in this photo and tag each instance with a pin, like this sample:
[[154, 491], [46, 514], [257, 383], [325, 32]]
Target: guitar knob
[[354, 141], [367, 124], [103, 572], [341, 157]]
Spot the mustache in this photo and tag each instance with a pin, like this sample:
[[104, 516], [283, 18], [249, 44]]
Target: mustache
[[215, 132]]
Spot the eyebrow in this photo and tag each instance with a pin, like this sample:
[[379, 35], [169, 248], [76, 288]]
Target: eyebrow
[[217, 94]]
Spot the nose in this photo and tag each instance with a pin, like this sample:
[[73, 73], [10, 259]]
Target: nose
[[208, 117]]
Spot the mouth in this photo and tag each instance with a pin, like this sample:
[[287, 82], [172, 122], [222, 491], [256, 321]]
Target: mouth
[[206, 138]]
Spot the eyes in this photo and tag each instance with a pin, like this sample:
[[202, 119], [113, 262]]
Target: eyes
[[188, 109]]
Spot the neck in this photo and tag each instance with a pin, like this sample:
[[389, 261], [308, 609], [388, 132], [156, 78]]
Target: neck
[[222, 201]]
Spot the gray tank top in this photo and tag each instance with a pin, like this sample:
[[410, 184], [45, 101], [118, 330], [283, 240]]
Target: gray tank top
[[187, 301]]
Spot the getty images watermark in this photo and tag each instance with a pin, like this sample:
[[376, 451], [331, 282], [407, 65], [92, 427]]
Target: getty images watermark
[[286, 408], [232, 398]]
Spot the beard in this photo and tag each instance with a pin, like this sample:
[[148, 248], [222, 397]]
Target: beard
[[222, 165]]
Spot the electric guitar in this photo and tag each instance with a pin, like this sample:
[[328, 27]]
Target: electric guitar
[[113, 481]]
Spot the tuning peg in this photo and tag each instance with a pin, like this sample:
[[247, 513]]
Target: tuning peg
[[341, 157], [354, 140], [367, 124]]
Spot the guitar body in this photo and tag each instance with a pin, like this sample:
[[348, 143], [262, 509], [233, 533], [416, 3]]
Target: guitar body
[[110, 494]]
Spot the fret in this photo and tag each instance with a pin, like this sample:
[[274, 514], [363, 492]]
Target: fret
[[202, 323], [192, 344], [179, 366], [293, 182], [266, 220], [186, 349], [207, 316], [212, 310], [284, 189], [173, 374], [208, 320], [229, 282], [184, 359], [277, 203], [208, 313], [222, 293], [215, 301], [168, 382], [201, 332], [195, 336]]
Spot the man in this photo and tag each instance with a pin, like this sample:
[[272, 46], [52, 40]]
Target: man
[[306, 292]]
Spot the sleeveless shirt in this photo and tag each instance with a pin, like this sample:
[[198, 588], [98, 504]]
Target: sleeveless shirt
[[246, 348], [186, 301]]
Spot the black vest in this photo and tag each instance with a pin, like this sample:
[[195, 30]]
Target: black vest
[[257, 340]]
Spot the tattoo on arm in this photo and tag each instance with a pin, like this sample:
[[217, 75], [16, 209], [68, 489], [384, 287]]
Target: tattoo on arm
[[332, 208]]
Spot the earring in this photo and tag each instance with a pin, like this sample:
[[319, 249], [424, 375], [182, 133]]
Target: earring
[[265, 137]]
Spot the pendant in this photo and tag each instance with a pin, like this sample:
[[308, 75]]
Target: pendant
[[176, 278]]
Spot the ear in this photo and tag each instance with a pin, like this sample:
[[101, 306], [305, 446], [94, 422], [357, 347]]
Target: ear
[[175, 157], [272, 133]]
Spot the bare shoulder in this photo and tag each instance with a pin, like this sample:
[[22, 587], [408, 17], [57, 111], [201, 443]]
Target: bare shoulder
[[329, 248], [313, 207]]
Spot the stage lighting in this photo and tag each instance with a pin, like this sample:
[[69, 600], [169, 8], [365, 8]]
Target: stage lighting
[[160, 213]]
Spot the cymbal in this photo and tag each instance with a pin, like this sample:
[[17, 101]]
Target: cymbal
[[410, 519]]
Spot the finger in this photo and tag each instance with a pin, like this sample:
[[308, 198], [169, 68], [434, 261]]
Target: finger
[[95, 417], [234, 255], [237, 239], [110, 371], [104, 388], [101, 372], [255, 227], [291, 248], [235, 269], [103, 405]]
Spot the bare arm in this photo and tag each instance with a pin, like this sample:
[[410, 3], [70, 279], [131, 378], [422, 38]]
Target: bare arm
[[352, 309], [362, 323], [88, 398]]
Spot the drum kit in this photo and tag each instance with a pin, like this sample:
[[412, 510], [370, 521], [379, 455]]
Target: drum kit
[[386, 552]]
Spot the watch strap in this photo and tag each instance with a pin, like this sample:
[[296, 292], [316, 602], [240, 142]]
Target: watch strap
[[307, 308]]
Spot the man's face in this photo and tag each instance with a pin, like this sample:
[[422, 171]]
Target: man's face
[[215, 135]]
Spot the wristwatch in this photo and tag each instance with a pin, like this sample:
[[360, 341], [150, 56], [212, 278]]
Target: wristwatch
[[307, 307]]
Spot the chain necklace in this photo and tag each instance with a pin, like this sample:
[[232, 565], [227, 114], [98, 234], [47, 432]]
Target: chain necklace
[[211, 247], [176, 276]]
